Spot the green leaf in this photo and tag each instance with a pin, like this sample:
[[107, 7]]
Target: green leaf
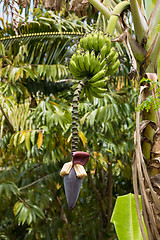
[[30, 218], [10, 188], [38, 211], [23, 215], [91, 117], [125, 218]]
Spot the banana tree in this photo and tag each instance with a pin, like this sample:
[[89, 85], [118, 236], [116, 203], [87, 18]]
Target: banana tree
[[142, 41]]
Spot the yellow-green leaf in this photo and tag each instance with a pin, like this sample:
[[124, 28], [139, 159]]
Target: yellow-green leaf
[[15, 138], [17, 74], [17, 207], [22, 136], [82, 137], [33, 136], [28, 141], [40, 139]]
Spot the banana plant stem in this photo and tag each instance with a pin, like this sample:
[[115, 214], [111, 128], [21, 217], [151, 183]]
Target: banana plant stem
[[75, 116], [104, 10], [115, 16], [140, 23]]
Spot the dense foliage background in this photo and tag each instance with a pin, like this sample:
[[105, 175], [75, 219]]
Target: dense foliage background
[[36, 91]]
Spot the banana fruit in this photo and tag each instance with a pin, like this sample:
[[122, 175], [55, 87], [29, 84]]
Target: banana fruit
[[101, 83], [95, 40], [88, 93], [97, 92], [94, 60], [113, 68], [98, 76]]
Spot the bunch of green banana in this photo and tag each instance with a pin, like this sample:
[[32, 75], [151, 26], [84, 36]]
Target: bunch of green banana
[[95, 40], [94, 59], [113, 68], [97, 82], [88, 93], [112, 62], [94, 91], [94, 87], [86, 64]]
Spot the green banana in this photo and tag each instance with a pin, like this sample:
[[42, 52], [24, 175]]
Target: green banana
[[114, 68], [110, 55], [97, 67], [95, 42], [92, 61], [101, 40], [76, 60], [108, 43], [101, 83], [102, 63], [114, 58], [81, 62], [99, 56], [103, 50], [95, 93], [74, 56], [90, 41], [99, 89], [97, 76], [83, 43], [73, 68], [88, 93], [87, 61]]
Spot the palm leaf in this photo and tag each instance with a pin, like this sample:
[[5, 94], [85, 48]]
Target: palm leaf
[[6, 40]]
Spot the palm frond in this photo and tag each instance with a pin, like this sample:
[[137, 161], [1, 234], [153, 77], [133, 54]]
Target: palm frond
[[8, 40]]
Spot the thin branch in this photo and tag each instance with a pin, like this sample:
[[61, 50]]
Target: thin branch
[[24, 202], [33, 183]]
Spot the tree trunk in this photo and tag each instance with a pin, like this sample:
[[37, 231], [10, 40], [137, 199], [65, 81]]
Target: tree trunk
[[146, 162]]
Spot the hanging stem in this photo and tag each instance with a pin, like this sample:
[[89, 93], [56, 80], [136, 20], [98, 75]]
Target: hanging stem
[[104, 10], [75, 116], [115, 16]]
